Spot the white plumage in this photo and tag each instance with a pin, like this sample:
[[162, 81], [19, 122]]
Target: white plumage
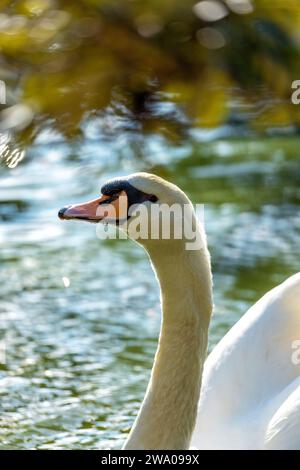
[[250, 396]]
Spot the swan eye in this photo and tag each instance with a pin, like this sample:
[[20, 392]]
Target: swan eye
[[109, 200]]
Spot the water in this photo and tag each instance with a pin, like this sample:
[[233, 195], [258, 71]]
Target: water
[[80, 316]]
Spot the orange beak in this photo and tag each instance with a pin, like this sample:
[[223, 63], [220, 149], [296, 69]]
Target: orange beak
[[98, 210]]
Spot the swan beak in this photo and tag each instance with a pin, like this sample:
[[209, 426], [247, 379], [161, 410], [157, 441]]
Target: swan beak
[[98, 210]]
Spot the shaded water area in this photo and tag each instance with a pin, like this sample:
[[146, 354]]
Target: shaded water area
[[80, 316]]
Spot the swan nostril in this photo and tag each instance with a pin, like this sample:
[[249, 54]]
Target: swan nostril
[[62, 211]]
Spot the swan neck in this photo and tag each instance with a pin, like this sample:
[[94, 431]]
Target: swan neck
[[167, 416]]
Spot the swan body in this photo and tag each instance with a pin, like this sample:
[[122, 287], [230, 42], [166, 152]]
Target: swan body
[[250, 396]]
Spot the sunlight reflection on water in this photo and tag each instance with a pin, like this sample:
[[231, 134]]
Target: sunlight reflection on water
[[78, 358]]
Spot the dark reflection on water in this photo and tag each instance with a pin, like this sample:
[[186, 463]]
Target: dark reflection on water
[[79, 357]]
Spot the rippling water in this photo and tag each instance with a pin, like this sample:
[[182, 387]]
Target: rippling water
[[80, 316]]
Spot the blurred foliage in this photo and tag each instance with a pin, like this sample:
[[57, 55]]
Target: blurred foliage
[[148, 65]]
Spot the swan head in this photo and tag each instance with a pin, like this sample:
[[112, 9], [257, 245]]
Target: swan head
[[137, 204]]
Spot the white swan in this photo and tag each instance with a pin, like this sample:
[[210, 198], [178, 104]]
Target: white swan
[[250, 396]]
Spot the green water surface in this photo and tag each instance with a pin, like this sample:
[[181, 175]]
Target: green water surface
[[78, 358]]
